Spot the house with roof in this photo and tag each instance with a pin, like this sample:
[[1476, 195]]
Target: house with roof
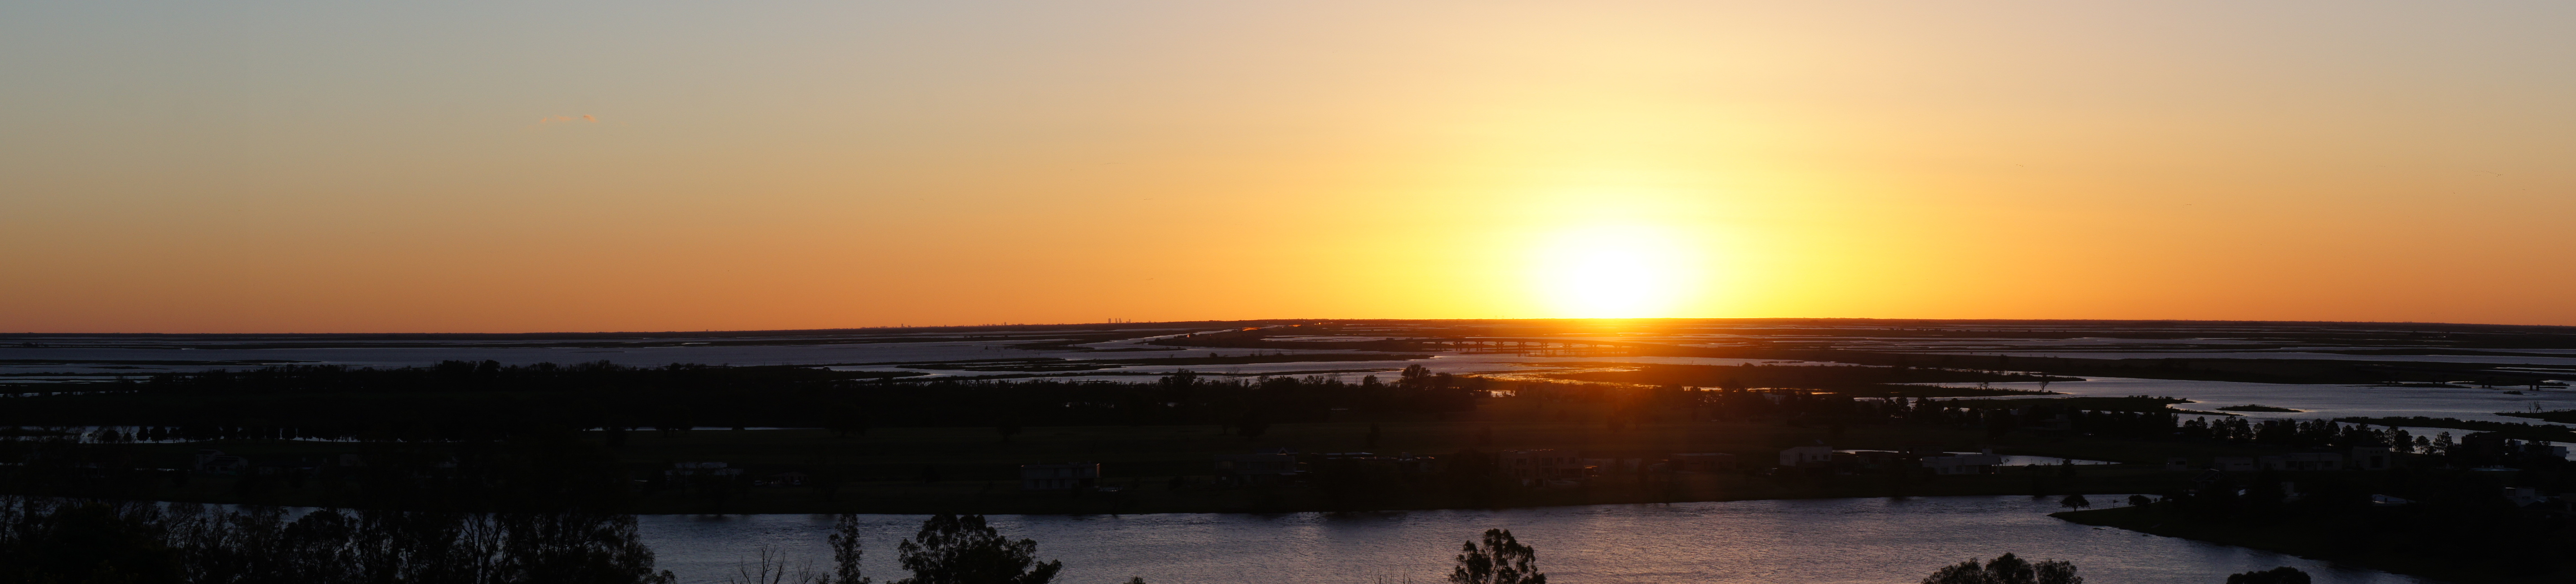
[[1807, 456], [2302, 461]]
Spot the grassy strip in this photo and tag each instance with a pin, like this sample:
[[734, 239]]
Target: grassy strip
[[2549, 432], [2135, 403], [2560, 416]]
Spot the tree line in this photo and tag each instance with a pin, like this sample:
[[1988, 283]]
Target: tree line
[[2453, 518], [75, 541], [485, 401]]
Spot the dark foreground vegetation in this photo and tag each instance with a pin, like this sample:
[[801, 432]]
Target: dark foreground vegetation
[[2440, 522], [482, 448], [74, 541], [485, 437]]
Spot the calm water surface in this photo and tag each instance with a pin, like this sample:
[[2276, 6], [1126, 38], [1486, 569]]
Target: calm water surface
[[1801, 541]]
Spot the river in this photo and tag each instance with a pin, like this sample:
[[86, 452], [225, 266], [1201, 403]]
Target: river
[[1770, 542]]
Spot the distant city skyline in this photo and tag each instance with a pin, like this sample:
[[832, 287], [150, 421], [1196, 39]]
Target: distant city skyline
[[590, 166]]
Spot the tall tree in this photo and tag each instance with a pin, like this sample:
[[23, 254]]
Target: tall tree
[[1500, 560], [846, 551]]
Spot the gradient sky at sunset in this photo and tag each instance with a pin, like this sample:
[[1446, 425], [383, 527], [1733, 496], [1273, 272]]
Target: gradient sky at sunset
[[251, 166]]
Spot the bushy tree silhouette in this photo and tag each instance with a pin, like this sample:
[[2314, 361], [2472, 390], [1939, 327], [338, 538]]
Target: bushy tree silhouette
[[962, 549], [1501, 559], [2280, 575], [2006, 569]]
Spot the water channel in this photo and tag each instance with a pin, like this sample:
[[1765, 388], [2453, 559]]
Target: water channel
[[1771, 542]]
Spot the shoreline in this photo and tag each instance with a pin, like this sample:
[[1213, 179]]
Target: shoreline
[[2294, 538]]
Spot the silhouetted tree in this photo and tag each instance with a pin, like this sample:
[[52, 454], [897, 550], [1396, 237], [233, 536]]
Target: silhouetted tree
[[846, 551], [53, 540], [955, 549], [2006, 569], [2075, 501], [1500, 560], [771, 567]]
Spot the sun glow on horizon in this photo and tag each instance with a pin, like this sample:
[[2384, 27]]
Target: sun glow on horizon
[[1617, 271]]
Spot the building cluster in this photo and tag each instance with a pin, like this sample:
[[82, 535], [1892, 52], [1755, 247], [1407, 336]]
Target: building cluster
[[1547, 467], [1551, 467], [215, 462], [1821, 459], [681, 471], [1279, 465]]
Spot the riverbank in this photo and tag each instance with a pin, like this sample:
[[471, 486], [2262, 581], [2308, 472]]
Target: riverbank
[[1193, 496], [2357, 539]]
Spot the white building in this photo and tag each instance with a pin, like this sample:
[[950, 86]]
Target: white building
[[2303, 461], [708, 469], [1796, 456]]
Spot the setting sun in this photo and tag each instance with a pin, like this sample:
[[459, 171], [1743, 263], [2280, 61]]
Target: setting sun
[[1785, 292], [1621, 271]]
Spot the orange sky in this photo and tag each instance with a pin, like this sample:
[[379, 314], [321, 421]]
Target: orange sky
[[333, 167]]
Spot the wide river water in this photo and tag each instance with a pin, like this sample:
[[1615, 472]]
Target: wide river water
[[1790, 541]]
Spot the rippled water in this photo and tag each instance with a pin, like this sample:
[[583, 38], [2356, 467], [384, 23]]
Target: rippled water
[[1794, 541]]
